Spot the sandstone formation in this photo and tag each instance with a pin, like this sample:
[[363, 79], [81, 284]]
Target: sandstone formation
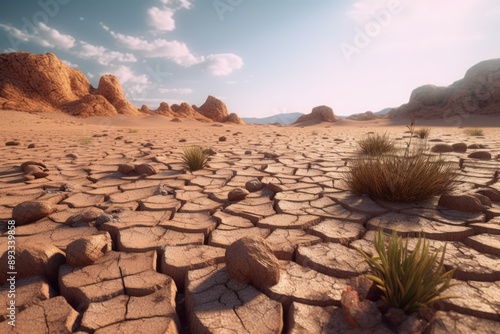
[[318, 115], [43, 83], [478, 93], [214, 109], [366, 116]]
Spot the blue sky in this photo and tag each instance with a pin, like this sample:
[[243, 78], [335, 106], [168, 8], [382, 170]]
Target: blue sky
[[261, 57]]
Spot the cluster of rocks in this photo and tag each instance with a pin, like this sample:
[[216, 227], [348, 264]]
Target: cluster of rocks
[[318, 115], [43, 83]]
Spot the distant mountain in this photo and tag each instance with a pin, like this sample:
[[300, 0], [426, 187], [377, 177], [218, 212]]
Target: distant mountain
[[284, 119], [383, 111]]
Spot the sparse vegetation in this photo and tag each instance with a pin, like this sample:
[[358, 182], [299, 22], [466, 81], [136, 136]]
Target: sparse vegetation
[[314, 133], [376, 144], [85, 141], [423, 133], [133, 130], [474, 132], [410, 177], [194, 157], [409, 280]]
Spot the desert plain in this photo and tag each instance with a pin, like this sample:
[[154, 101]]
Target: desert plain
[[163, 236]]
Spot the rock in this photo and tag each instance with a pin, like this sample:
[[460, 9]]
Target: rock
[[186, 111], [24, 165], [359, 313], [492, 194], [164, 109], [182, 140], [87, 216], [442, 148], [126, 169], [176, 119], [31, 145], [237, 194], [31, 211], [459, 147], [254, 185], [87, 250], [59, 88], [222, 138], [29, 177], [270, 156], [464, 203], [480, 155], [251, 260], [214, 109], [318, 115], [234, 118], [12, 142], [34, 259], [146, 169], [485, 200], [367, 116], [274, 187], [479, 88]]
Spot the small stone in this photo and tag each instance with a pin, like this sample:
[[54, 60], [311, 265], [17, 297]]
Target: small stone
[[71, 156], [359, 313], [104, 218], [274, 187], [24, 165], [480, 155], [31, 211], [29, 177], [146, 169], [222, 138], [464, 203], [31, 145], [237, 194], [459, 147], [251, 260], [254, 185], [492, 194], [182, 140], [270, 156], [87, 250], [485, 200], [248, 152], [442, 148], [126, 169], [12, 143]]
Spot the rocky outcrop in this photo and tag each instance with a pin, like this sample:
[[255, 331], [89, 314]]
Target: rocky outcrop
[[214, 109], [318, 115], [366, 116], [478, 93], [233, 118], [43, 83]]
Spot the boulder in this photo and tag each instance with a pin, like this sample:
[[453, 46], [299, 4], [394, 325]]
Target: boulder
[[237, 194], [126, 169], [109, 87], [34, 259], [459, 147], [31, 211], [464, 203], [146, 169], [87, 250], [254, 185], [318, 115], [480, 155], [214, 109], [442, 148], [251, 260], [234, 118], [359, 313]]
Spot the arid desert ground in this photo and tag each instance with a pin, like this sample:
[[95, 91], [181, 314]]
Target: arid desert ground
[[164, 235]]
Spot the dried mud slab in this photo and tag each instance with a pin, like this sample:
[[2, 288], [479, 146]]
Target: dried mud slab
[[453, 322], [216, 303]]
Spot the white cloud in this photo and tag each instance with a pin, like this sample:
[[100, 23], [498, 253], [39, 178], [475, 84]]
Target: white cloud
[[68, 63], [161, 19], [131, 82], [172, 50], [176, 90], [177, 4], [223, 64], [102, 55], [42, 35]]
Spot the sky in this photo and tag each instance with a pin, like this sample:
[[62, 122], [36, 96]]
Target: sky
[[261, 57]]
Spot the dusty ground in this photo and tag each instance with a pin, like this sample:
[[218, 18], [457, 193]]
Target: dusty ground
[[311, 222]]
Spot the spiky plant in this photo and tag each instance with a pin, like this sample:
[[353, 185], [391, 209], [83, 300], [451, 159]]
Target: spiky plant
[[475, 132], [423, 133], [194, 157], [409, 280], [376, 144]]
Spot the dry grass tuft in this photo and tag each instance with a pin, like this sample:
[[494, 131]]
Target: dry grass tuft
[[194, 157], [423, 133], [376, 144], [475, 132]]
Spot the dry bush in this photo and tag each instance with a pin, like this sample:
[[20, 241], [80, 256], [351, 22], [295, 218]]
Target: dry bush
[[194, 157], [423, 133], [376, 144]]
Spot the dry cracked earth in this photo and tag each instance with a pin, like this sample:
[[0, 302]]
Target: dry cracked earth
[[157, 242]]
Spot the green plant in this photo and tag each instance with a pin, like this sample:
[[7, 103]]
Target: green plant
[[85, 141], [376, 144], [423, 133], [474, 132], [409, 280], [194, 157]]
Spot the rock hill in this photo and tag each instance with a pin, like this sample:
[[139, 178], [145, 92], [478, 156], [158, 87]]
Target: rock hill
[[478, 93], [366, 116], [43, 83], [318, 115]]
